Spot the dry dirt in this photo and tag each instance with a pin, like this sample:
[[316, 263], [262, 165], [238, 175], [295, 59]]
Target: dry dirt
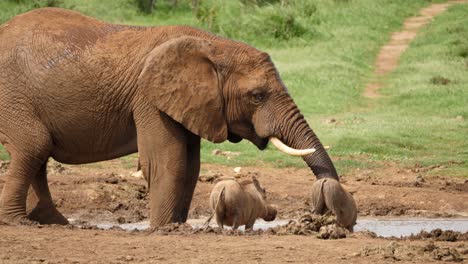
[[104, 192]]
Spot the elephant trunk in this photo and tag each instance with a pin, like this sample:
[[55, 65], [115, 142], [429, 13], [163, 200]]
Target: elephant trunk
[[296, 133], [327, 194]]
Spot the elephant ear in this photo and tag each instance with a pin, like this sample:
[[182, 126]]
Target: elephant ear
[[181, 80]]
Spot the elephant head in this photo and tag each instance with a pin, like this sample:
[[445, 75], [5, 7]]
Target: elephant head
[[225, 90], [221, 89]]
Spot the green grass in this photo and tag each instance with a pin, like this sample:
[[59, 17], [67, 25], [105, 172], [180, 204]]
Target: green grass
[[435, 112], [423, 117], [324, 51]]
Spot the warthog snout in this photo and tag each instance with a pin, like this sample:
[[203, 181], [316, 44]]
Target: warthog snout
[[271, 213]]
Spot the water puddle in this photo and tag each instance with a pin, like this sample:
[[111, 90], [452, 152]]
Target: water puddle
[[406, 227], [382, 227]]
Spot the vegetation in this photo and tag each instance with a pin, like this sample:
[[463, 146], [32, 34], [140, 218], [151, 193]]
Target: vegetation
[[428, 97], [325, 52]]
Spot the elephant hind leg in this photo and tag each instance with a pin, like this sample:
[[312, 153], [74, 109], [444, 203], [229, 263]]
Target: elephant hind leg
[[40, 201], [29, 149], [15, 190]]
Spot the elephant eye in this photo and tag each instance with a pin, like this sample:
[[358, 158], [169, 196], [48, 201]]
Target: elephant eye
[[258, 97]]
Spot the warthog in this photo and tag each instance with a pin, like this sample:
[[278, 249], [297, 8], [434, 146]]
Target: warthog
[[239, 203], [326, 195]]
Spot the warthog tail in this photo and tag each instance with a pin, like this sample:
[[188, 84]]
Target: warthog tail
[[220, 208]]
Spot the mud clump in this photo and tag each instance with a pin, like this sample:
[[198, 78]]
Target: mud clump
[[210, 178], [4, 164], [56, 168], [187, 229], [430, 251], [440, 235], [173, 229], [322, 226], [228, 154], [375, 209]]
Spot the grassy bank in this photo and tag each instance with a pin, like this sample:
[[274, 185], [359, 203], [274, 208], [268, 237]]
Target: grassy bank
[[325, 51], [422, 120], [428, 95]]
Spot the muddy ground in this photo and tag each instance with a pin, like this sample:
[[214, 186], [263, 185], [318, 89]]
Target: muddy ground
[[104, 192]]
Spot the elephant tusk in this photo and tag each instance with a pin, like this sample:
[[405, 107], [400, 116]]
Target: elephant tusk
[[288, 150]]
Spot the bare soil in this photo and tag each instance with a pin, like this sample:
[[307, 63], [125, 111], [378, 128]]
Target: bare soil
[[105, 192]]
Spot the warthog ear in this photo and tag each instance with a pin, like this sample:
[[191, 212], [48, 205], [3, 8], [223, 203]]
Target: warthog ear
[[180, 80], [258, 186]]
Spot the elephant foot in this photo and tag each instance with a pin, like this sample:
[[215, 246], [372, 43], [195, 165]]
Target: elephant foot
[[329, 195], [47, 215], [15, 220]]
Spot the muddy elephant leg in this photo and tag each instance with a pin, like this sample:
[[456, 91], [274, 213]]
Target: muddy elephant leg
[[15, 190], [40, 201], [162, 145], [13, 198], [193, 171]]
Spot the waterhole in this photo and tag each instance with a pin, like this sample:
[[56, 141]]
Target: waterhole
[[382, 227]]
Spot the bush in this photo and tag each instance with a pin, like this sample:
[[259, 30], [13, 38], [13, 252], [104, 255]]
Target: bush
[[259, 2], [279, 24], [207, 15], [146, 6], [40, 3], [258, 22]]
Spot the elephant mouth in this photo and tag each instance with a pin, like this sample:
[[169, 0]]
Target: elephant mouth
[[250, 135], [234, 138], [261, 143]]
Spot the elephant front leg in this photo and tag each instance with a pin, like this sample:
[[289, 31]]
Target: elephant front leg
[[192, 172], [162, 146]]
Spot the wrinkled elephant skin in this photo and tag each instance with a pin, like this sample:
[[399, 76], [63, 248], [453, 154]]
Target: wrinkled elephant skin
[[81, 90]]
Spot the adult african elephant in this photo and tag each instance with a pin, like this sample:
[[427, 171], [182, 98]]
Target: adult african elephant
[[81, 90]]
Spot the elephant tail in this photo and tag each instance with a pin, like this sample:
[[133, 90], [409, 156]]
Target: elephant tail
[[318, 201]]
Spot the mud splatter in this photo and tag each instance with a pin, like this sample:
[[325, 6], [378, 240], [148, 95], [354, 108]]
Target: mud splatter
[[440, 235], [324, 227], [427, 252]]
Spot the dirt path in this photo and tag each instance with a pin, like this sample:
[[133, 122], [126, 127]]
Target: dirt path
[[389, 55]]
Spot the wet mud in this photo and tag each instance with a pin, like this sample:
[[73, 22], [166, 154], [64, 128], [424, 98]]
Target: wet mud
[[421, 253]]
